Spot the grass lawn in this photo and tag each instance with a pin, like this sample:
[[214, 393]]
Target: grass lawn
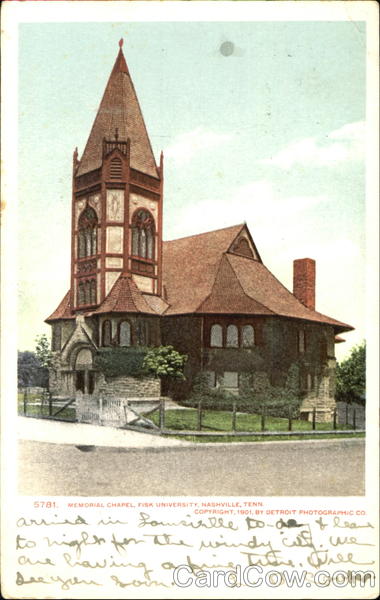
[[34, 408], [214, 420]]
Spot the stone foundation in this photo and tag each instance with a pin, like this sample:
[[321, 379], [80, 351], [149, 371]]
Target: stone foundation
[[324, 409]]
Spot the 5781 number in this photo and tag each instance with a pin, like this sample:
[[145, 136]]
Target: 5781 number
[[44, 504]]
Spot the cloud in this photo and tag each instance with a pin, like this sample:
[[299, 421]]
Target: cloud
[[187, 145], [244, 204], [341, 145]]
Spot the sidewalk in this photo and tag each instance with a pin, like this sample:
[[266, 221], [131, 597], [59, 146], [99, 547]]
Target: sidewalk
[[82, 434]]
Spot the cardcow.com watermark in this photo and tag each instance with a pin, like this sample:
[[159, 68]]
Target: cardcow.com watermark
[[253, 576]]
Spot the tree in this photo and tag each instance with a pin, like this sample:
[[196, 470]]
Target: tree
[[350, 376], [43, 351], [28, 369], [164, 361]]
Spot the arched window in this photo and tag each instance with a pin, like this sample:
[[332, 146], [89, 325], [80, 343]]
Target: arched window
[[87, 233], [93, 291], [216, 337], [248, 336], [106, 333], [143, 234], [232, 336], [125, 333]]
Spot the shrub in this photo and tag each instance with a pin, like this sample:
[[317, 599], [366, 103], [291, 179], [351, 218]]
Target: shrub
[[164, 361], [114, 362], [255, 394]]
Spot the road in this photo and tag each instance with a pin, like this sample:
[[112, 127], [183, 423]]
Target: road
[[309, 468]]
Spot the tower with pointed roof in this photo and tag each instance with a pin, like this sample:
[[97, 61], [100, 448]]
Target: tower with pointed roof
[[208, 295], [117, 201]]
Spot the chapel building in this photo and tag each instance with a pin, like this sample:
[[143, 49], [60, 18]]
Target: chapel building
[[208, 295]]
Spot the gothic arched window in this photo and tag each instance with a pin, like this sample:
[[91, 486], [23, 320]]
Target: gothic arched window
[[106, 333], [216, 337], [125, 333], [143, 234], [87, 233], [232, 336], [248, 336]]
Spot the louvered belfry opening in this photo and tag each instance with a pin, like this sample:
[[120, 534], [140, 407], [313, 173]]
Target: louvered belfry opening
[[115, 168]]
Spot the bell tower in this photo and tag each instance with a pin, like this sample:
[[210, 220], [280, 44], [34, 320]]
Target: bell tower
[[116, 200]]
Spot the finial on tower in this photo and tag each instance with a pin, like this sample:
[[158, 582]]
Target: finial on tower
[[121, 42]]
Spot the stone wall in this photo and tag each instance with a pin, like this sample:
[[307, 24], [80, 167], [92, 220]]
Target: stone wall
[[128, 387]]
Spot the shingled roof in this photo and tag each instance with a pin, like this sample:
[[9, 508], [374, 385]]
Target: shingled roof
[[119, 110], [189, 267], [202, 275], [125, 297], [63, 310]]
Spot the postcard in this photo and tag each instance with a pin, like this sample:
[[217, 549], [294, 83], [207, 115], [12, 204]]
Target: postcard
[[190, 324]]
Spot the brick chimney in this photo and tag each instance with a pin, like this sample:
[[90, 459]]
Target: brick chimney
[[304, 281]]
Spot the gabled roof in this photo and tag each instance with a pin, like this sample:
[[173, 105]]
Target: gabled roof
[[119, 109], [202, 275], [189, 267], [63, 310], [125, 297]]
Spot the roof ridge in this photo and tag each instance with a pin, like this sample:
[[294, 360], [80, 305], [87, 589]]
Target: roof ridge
[[205, 233], [213, 285]]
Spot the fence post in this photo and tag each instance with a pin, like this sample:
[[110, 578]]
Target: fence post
[[199, 415], [334, 419], [346, 413], [354, 419], [42, 404], [234, 415], [25, 401], [289, 419], [314, 415], [263, 418], [162, 413], [50, 404]]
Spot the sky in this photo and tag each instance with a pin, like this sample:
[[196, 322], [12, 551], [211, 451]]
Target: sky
[[262, 122]]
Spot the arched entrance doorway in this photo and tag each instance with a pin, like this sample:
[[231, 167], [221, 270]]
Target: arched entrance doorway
[[84, 375]]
